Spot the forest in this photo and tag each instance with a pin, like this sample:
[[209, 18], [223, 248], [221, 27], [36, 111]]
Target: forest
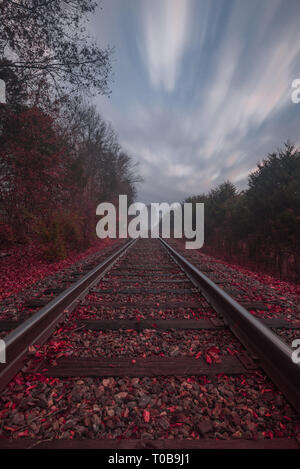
[[59, 158], [259, 226]]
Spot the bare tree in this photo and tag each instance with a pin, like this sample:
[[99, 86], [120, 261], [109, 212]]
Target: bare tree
[[45, 42]]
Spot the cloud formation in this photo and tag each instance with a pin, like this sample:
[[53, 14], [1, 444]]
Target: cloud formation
[[203, 87], [165, 33]]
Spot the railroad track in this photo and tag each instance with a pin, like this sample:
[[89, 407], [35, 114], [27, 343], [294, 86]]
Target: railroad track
[[145, 351]]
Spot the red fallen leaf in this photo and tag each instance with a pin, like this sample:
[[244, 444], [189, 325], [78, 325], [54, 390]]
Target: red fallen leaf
[[31, 387], [208, 359], [172, 408], [213, 355], [266, 390], [146, 415], [268, 434], [10, 429], [133, 361], [25, 433], [198, 355]]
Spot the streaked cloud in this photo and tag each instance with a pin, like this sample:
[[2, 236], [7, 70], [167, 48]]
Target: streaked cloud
[[203, 87], [165, 28]]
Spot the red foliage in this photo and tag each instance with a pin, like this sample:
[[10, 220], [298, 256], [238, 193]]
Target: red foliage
[[32, 160], [25, 266]]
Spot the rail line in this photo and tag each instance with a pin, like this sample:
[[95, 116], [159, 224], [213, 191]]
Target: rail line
[[147, 293]]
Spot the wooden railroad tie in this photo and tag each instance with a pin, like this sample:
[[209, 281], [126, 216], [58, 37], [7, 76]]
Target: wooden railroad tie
[[139, 367]]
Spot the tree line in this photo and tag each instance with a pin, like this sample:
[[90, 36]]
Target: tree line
[[58, 157], [261, 224]]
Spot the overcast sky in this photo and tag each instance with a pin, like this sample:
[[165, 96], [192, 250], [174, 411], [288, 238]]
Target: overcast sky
[[202, 88]]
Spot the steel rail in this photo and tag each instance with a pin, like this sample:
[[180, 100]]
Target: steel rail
[[272, 353], [40, 325]]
